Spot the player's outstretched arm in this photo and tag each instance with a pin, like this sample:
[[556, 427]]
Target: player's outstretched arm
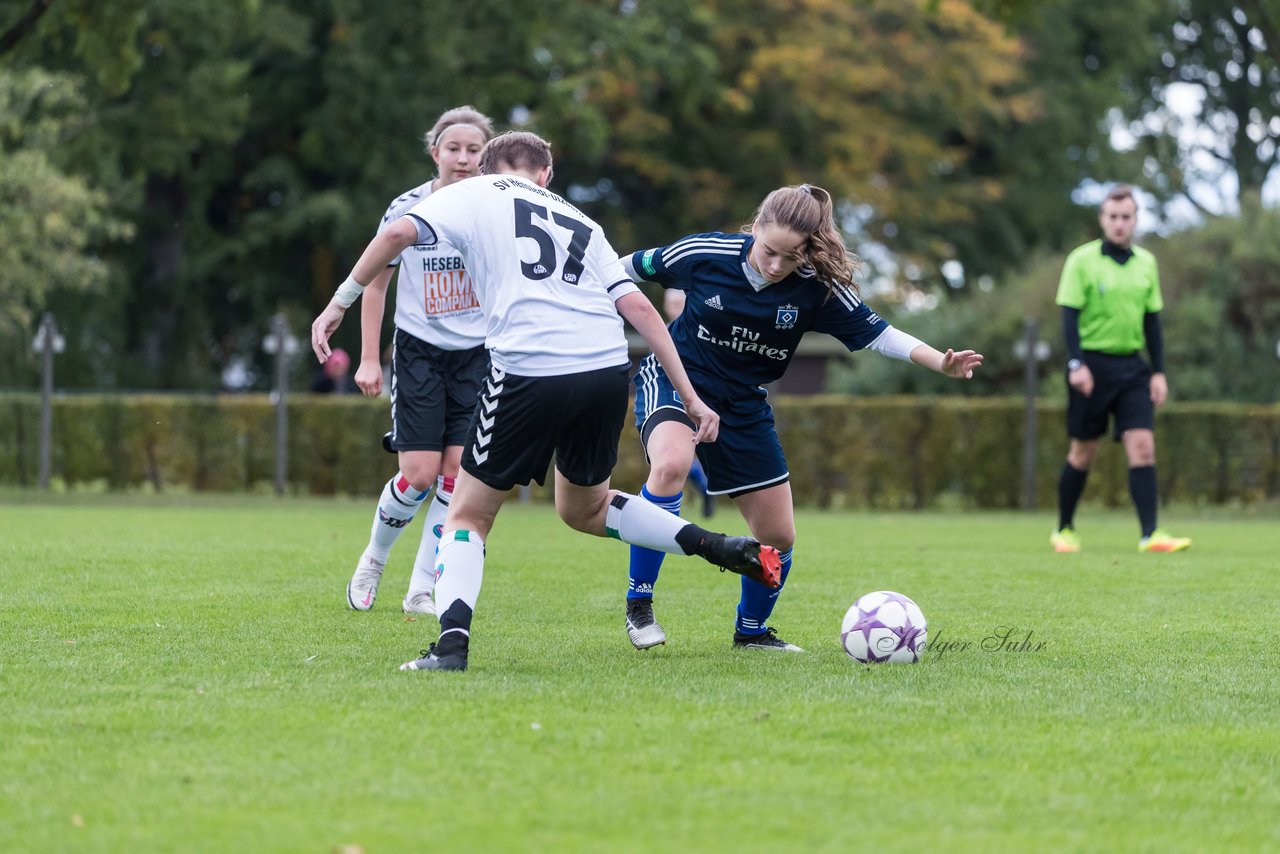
[[896, 344], [636, 309], [959, 364], [372, 307], [380, 252]]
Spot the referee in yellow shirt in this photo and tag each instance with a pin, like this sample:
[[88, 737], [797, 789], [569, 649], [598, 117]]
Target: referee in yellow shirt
[[1110, 298]]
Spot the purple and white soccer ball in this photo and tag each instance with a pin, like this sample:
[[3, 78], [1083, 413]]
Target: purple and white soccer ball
[[884, 627]]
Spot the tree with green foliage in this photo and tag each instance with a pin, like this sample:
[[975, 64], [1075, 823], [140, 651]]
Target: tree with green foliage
[[1221, 320], [251, 144], [1228, 53], [51, 219], [699, 111]]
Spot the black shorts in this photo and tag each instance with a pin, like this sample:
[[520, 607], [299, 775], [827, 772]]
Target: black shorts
[[522, 421], [433, 393], [1121, 388]]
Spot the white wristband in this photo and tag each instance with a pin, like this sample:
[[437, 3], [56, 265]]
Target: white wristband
[[347, 292]]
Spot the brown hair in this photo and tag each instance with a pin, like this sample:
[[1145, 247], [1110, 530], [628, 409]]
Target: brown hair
[[516, 149], [1119, 193], [465, 115], [808, 210]]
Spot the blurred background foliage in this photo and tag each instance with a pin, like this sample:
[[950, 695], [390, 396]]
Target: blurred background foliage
[[172, 172]]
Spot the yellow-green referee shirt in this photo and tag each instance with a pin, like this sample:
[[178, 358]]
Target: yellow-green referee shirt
[[1112, 297]]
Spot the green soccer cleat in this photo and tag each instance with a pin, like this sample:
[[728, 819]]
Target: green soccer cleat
[[1159, 541], [1065, 541]]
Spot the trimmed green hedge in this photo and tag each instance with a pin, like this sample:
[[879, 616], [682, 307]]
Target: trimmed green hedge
[[901, 452], [910, 452]]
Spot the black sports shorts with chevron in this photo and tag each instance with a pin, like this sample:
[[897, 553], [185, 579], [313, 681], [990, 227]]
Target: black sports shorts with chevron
[[433, 393], [522, 422]]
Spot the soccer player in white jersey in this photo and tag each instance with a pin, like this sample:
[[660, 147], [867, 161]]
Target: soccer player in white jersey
[[438, 364], [554, 296], [751, 298]]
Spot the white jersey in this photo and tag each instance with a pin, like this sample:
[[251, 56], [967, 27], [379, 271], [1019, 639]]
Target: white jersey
[[545, 274], [435, 301]]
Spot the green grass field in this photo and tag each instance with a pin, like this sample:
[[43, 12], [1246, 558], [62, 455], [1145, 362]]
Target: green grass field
[[188, 678]]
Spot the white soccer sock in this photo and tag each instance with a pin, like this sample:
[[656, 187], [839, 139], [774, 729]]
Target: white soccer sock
[[424, 565], [460, 565], [396, 508], [640, 523]]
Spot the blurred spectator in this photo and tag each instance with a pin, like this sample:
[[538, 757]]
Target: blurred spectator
[[334, 376]]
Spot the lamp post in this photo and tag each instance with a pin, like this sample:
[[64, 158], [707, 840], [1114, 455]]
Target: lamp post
[[282, 345], [47, 342], [1032, 351]]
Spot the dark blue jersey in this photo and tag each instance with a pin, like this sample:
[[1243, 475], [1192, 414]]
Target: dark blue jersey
[[730, 334]]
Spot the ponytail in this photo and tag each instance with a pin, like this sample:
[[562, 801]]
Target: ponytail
[[808, 209]]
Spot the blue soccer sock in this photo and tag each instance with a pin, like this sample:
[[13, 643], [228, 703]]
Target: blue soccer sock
[[646, 563], [698, 475], [757, 601]]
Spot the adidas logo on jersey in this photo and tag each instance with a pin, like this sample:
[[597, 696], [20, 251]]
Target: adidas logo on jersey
[[715, 303]]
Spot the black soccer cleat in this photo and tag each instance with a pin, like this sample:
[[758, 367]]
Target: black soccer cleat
[[432, 660], [745, 556], [769, 640]]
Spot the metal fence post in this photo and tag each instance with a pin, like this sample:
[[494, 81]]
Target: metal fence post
[[46, 343], [1032, 351], [282, 345]]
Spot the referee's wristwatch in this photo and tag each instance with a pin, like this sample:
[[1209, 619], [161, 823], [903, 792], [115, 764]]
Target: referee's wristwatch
[[1074, 365]]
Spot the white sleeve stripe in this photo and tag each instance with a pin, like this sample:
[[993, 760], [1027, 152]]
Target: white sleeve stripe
[[677, 250], [727, 241], [847, 296], [669, 258]]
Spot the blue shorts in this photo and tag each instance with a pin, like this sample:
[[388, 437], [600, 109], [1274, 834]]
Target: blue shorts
[[746, 457]]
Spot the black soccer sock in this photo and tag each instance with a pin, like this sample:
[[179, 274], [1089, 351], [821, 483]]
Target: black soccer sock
[[455, 630], [1142, 486], [1070, 488], [691, 537]]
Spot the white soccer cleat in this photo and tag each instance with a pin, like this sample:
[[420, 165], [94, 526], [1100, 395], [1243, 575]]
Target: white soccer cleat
[[643, 630], [419, 603], [362, 590]]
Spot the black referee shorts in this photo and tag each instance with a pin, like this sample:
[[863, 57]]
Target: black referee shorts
[[1121, 391], [521, 422]]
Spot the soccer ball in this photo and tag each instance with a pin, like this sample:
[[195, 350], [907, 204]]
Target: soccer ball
[[884, 626]]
